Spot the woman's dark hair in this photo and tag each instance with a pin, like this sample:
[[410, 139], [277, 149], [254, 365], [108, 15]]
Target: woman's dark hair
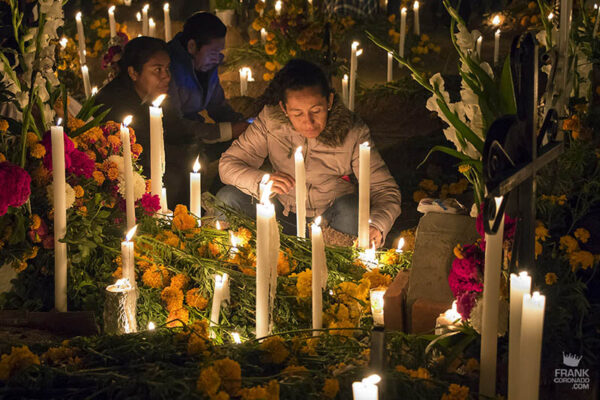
[[138, 51], [202, 27], [297, 74]]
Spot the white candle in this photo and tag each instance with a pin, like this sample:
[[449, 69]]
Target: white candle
[[402, 32], [376, 298], [263, 35], [164, 207], [519, 286], [111, 21], [597, 19], [417, 26], [80, 38], [151, 27], [449, 318], [319, 274], [263, 185], [243, 82], [366, 389], [145, 21], [236, 338], [563, 44], [128, 257], [353, 71], [128, 172], [221, 294], [300, 178], [267, 252], [60, 217], [138, 18], [168, 32], [196, 191], [345, 89], [87, 87], [364, 182], [496, 46], [278, 7], [479, 42], [400, 245], [390, 72], [156, 146], [489, 319], [369, 257], [530, 345]]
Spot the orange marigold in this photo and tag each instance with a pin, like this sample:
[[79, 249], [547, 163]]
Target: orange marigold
[[182, 220], [156, 276], [179, 281], [178, 318], [193, 298], [37, 150], [173, 296]]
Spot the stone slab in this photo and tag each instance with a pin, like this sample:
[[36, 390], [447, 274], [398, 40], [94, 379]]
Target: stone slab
[[394, 301], [424, 313]]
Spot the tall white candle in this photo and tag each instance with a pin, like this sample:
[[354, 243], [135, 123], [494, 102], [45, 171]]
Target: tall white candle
[[151, 27], [345, 89], [364, 182], [319, 274], [138, 18], [479, 42], [164, 207], [87, 86], [402, 32], [278, 7], [128, 257], [366, 389], [60, 217], [417, 26], [595, 32], [496, 46], [489, 320], [80, 38], [263, 185], [519, 286], [128, 172], [564, 33], [220, 295], [156, 146], [167, 14], [300, 178], [111, 21], [145, 21], [390, 72], [353, 71], [196, 191], [243, 82], [263, 35], [530, 345]]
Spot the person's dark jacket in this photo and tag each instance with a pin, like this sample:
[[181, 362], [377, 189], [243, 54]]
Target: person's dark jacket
[[190, 97], [181, 144]]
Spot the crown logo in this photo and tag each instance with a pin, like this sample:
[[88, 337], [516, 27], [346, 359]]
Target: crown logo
[[571, 360]]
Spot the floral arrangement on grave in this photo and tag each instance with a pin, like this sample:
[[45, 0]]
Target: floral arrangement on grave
[[484, 96], [293, 32]]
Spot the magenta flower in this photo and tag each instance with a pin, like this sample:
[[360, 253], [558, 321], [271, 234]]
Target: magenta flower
[[47, 142], [16, 186], [465, 303], [81, 164], [149, 203]]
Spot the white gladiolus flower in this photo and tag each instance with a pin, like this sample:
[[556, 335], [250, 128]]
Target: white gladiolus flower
[[477, 313], [69, 195], [464, 39]]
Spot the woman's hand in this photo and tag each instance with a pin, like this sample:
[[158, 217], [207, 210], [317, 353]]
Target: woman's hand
[[282, 182], [375, 236]]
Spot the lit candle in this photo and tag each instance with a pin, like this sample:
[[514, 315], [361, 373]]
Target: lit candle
[[267, 253], [417, 27], [479, 42], [519, 286], [364, 182], [87, 87], [345, 89], [263, 184], [400, 245], [168, 33], [369, 257], [243, 81], [497, 46], [449, 318], [220, 295], [80, 38], [164, 207], [63, 42], [234, 240], [128, 257], [366, 389], [489, 319], [151, 27], [196, 191], [111, 21], [151, 326], [597, 19], [530, 345], [300, 178], [390, 72], [353, 70], [278, 7], [128, 172], [60, 216], [145, 22], [156, 146], [94, 90], [402, 32], [236, 338], [376, 298], [319, 274], [263, 35], [262, 11]]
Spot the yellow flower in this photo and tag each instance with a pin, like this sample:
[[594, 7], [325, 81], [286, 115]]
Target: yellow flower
[[179, 281], [32, 139], [208, 381], [3, 125], [37, 150], [270, 48], [538, 248], [259, 6], [270, 66], [420, 373], [74, 123], [18, 359], [62, 355], [182, 220], [256, 25], [377, 279], [98, 177], [178, 318], [113, 174], [252, 42], [581, 258], [285, 263], [79, 192], [456, 392], [458, 252], [36, 221], [332, 386], [173, 296], [198, 337], [419, 195], [541, 232], [428, 185], [156, 276], [551, 278], [268, 76], [392, 18], [582, 235], [274, 349], [193, 298], [270, 36], [292, 53], [230, 374], [270, 392], [390, 257], [304, 283], [569, 244], [424, 37], [464, 168]]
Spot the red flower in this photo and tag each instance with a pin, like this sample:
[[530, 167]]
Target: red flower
[[465, 303], [15, 184], [151, 204], [81, 164], [47, 142]]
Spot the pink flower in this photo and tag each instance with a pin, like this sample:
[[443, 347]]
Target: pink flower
[[81, 164], [15, 184], [510, 224], [151, 204], [47, 142], [465, 303]]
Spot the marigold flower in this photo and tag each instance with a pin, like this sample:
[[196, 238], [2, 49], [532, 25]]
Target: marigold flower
[[456, 392], [179, 281], [332, 386], [376, 279], [156, 276], [392, 18], [2, 157], [74, 123], [569, 244], [541, 232], [173, 296], [230, 373], [98, 177], [18, 359], [582, 235], [256, 25], [79, 192], [178, 318], [36, 221], [270, 48], [269, 392], [292, 53], [304, 283], [284, 262], [274, 349], [3, 125], [193, 298], [390, 257], [253, 41], [208, 381], [270, 36], [182, 220], [551, 278], [112, 174], [581, 258], [270, 66], [137, 149]]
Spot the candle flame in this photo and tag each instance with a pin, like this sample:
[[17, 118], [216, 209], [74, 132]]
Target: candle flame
[[218, 225], [78, 16], [265, 179], [479, 39], [151, 22], [345, 78], [365, 144], [550, 16], [416, 6], [264, 198], [197, 165], [151, 326], [496, 20], [359, 52], [403, 10], [498, 31], [94, 90], [523, 274], [157, 101], [127, 120], [220, 281], [317, 221], [355, 45], [63, 42], [58, 121], [146, 7], [138, 16], [298, 153], [131, 233], [236, 337], [278, 5], [247, 72], [84, 68], [166, 7], [111, 9], [400, 245], [372, 379]]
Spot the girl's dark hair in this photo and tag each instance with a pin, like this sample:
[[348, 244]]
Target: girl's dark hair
[[297, 74], [202, 27], [138, 51]]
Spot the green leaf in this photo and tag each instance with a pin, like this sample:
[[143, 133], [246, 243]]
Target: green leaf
[[454, 153], [507, 90], [95, 122]]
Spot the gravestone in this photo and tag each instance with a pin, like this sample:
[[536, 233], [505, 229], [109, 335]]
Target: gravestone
[[428, 291]]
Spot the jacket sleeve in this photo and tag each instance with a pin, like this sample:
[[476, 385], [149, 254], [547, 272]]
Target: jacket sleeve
[[385, 194], [218, 108], [239, 165]]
